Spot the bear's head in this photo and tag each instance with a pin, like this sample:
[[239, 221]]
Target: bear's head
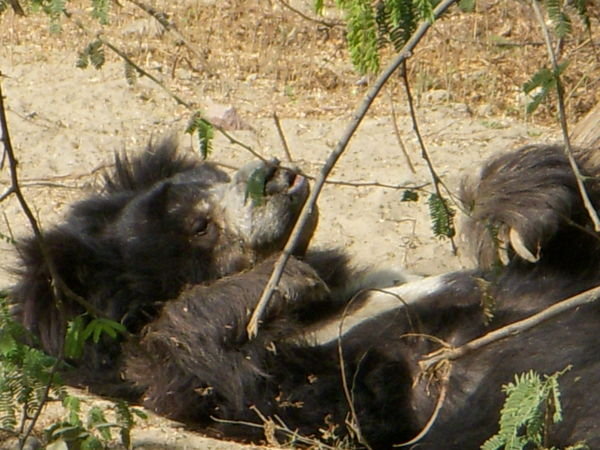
[[162, 220]]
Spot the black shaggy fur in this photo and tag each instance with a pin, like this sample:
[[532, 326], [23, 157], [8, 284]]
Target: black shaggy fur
[[134, 251]]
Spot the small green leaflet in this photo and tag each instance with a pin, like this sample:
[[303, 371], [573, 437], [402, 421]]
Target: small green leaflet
[[131, 74], [255, 187], [92, 54], [524, 416], [467, 5], [205, 131], [73, 340], [318, 6], [442, 217], [78, 333], [544, 79], [100, 10], [410, 196], [98, 326]]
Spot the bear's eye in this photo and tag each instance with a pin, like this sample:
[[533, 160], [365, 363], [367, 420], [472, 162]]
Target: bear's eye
[[200, 226]]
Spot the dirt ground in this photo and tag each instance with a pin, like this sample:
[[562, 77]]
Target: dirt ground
[[66, 123]]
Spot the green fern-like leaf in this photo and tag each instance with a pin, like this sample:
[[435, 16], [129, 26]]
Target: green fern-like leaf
[[73, 406], [92, 54], [425, 9], [8, 415], [74, 341], [318, 6], [372, 25], [131, 74], [100, 10], [582, 12], [442, 217], [410, 196], [523, 417], [25, 372], [3, 6], [255, 187], [362, 37], [205, 132], [559, 18], [545, 80], [100, 326], [91, 442], [96, 53], [6, 238], [55, 9], [467, 5], [404, 20], [126, 420], [97, 420]]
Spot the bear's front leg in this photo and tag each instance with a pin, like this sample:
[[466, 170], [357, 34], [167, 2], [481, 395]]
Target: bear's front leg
[[196, 360]]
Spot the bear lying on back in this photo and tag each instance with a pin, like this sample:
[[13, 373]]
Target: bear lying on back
[[180, 253], [162, 221]]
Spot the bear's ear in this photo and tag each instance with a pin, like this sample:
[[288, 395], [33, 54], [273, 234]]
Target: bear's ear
[[32, 297], [157, 202], [157, 163]]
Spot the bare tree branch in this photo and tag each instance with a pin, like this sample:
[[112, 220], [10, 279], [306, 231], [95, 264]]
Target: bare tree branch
[[170, 27], [310, 204], [16, 190], [512, 329], [174, 96], [311, 19], [437, 181], [563, 118]]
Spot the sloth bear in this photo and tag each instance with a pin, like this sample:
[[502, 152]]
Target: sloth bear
[[179, 253]]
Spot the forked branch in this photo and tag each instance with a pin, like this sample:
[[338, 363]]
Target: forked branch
[[511, 329], [310, 204]]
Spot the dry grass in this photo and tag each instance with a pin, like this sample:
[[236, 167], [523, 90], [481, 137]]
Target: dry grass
[[265, 58]]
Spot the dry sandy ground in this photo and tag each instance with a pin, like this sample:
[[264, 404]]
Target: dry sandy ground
[[66, 123]]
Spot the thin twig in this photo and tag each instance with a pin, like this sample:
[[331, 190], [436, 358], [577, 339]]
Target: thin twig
[[310, 204], [354, 424], [42, 402], [170, 27], [284, 429], [436, 410], [309, 18], [512, 329], [437, 181], [563, 119], [56, 278], [399, 136], [286, 148], [359, 184], [159, 83]]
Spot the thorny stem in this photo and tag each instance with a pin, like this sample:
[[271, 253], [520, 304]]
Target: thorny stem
[[563, 119], [310, 204]]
